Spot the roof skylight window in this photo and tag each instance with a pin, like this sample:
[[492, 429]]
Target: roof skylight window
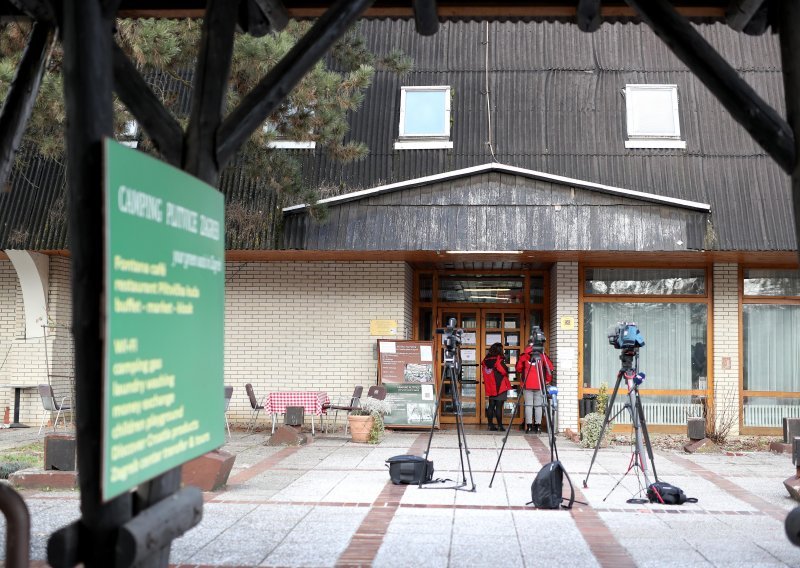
[[652, 117], [424, 118]]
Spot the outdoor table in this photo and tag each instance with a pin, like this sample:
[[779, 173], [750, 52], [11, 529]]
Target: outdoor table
[[311, 401], [17, 391]]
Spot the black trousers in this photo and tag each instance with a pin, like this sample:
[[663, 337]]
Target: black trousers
[[495, 410]]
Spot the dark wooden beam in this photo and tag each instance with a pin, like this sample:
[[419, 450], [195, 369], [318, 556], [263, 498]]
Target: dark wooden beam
[[160, 125], [740, 12], [790, 47], [208, 97], [252, 19], [260, 17], [763, 123], [281, 79], [589, 17], [41, 10], [87, 42], [426, 17], [21, 96], [276, 13]]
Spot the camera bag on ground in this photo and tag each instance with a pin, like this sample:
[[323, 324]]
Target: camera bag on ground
[[410, 470], [666, 494], [547, 488]]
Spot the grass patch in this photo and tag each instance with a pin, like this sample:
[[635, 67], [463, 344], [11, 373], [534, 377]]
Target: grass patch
[[23, 457]]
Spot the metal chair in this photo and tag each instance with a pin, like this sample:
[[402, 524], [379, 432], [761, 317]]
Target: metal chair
[[228, 396], [51, 404], [377, 392], [355, 402], [254, 406]]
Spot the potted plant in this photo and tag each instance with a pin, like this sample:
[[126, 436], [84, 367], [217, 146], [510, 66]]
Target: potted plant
[[366, 421]]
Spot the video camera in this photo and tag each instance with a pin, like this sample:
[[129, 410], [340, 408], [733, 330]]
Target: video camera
[[625, 335], [537, 338], [451, 339]]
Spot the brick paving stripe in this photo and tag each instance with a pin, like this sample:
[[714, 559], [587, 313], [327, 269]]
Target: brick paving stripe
[[605, 547], [728, 486]]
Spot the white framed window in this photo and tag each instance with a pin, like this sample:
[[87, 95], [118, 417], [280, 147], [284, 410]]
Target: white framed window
[[130, 134], [281, 141], [424, 118], [652, 117]]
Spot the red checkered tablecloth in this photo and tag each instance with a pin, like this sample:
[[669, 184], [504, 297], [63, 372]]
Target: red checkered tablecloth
[[276, 402]]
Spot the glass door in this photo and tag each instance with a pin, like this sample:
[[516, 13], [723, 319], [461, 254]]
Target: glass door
[[504, 327], [482, 328], [468, 320]]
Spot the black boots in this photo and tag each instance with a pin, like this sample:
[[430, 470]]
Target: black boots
[[528, 428], [536, 429], [532, 429], [492, 427], [501, 427]]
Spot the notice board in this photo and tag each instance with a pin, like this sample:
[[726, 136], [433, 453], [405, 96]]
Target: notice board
[[164, 291], [405, 368]]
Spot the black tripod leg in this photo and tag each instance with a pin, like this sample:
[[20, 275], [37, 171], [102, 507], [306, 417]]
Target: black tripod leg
[[505, 439], [603, 429], [647, 443], [447, 370]]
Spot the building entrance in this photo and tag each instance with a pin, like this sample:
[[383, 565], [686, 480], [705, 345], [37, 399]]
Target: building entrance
[[482, 328]]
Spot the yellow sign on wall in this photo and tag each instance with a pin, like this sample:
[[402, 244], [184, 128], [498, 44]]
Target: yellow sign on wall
[[567, 322], [383, 327]]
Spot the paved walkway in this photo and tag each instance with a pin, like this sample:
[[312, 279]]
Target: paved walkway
[[331, 503]]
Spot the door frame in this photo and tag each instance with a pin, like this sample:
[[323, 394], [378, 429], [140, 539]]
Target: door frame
[[426, 309]]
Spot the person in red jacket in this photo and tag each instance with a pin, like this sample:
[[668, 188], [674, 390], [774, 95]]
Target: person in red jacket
[[496, 384], [528, 374]]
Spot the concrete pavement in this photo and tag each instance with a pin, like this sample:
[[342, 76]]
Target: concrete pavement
[[331, 503]]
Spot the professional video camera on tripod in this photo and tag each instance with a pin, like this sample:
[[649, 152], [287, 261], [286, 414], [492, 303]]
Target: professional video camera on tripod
[[451, 342], [626, 337]]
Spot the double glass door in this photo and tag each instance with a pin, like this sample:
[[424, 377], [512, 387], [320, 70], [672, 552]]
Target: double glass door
[[482, 328]]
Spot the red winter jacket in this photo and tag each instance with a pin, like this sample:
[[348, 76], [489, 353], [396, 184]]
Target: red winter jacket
[[528, 374], [495, 376]]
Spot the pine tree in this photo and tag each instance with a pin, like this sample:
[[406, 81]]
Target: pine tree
[[165, 51]]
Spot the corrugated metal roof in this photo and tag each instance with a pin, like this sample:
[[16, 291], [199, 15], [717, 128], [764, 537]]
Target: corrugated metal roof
[[558, 107]]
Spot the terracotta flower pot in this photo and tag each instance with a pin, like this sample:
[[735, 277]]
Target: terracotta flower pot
[[360, 427]]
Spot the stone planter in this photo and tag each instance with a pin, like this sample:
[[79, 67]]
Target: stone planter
[[360, 427]]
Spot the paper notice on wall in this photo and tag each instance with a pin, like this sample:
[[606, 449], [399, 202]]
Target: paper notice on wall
[[388, 347], [427, 392], [425, 353], [468, 355]]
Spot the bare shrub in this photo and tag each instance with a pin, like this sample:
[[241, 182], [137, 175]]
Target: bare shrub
[[721, 415]]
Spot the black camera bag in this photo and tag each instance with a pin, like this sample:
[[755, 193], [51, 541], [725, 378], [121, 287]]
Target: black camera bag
[[410, 470], [665, 494], [547, 488]]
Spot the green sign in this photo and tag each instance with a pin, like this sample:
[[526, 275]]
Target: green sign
[[164, 302]]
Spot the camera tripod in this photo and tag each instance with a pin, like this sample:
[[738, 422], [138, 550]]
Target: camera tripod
[[629, 372], [452, 368], [549, 410]]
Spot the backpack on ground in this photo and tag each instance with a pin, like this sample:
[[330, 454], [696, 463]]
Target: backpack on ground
[[409, 470], [666, 494], [547, 489]]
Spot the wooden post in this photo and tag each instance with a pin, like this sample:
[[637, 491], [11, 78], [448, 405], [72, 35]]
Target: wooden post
[[763, 123], [790, 47], [19, 102], [86, 36]]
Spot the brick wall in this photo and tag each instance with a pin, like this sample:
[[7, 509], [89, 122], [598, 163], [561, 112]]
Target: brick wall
[[24, 360], [564, 342], [305, 325], [726, 343]]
